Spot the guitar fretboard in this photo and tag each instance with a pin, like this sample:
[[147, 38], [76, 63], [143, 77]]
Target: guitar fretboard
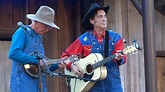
[[103, 62]]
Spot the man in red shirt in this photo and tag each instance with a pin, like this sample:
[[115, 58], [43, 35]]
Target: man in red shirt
[[93, 41]]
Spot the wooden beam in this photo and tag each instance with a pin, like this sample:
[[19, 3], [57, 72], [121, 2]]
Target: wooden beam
[[160, 53], [159, 5]]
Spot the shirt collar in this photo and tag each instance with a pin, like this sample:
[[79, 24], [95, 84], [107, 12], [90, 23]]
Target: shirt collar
[[102, 35]]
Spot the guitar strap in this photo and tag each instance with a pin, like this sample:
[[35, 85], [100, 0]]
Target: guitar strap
[[106, 44]]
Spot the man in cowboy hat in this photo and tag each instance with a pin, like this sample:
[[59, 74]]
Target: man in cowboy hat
[[26, 40], [98, 40]]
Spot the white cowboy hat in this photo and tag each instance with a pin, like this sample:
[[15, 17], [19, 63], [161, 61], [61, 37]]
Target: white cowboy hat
[[44, 15]]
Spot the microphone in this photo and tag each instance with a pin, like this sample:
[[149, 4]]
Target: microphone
[[20, 24]]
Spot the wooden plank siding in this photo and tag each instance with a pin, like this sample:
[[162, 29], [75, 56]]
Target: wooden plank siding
[[133, 70], [161, 73], [5, 66], [160, 50], [13, 11], [122, 17]]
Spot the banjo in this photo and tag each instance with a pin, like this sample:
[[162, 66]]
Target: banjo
[[33, 69]]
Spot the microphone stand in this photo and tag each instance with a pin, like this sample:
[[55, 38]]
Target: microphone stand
[[40, 57], [40, 75], [71, 76], [40, 79]]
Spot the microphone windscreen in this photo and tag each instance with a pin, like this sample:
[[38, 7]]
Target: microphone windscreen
[[19, 24]]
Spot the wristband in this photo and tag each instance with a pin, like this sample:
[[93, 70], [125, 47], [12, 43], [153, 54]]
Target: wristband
[[68, 66]]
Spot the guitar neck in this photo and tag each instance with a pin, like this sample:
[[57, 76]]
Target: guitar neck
[[53, 61], [103, 62]]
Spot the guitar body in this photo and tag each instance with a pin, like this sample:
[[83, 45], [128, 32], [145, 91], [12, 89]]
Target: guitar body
[[32, 70], [99, 73]]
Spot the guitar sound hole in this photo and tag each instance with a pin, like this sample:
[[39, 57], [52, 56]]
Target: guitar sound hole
[[89, 68]]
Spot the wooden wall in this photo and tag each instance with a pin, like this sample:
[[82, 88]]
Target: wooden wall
[[160, 46], [5, 66], [12, 11], [122, 18], [125, 19], [161, 73]]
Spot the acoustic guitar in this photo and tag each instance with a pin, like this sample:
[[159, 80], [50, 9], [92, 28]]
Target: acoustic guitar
[[94, 69]]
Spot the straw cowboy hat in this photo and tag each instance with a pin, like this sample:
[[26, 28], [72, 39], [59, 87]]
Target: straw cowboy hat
[[44, 15], [93, 8]]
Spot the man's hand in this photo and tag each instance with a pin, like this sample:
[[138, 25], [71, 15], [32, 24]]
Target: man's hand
[[118, 55], [76, 70], [41, 62]]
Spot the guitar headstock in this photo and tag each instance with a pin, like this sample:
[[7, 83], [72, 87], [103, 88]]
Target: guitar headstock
[[132, 49]]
